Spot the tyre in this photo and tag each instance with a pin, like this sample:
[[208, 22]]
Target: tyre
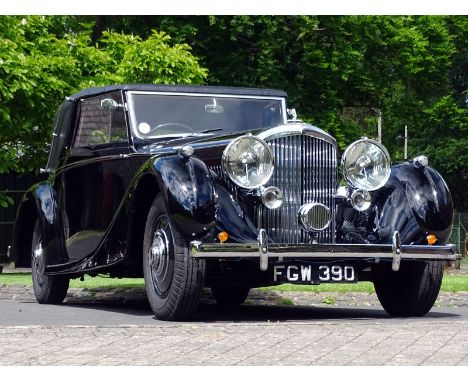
[[412, 290], [230, 295], [47, 289], [173, 280]]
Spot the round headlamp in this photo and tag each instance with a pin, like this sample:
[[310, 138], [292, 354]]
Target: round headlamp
[[366, 164], [248, 161]]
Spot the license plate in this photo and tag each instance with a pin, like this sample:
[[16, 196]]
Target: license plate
[[314, 273]]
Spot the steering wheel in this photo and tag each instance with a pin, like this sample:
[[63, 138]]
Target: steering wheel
[[172, 128]]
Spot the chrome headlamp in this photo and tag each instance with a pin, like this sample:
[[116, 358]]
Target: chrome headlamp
[[366, 164], [248, 161]]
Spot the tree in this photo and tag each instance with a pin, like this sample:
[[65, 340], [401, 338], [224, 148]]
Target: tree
[[38, 69], [337, 70], [413, 68]]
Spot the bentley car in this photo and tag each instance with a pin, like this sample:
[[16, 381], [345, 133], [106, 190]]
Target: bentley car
[[224, 188]]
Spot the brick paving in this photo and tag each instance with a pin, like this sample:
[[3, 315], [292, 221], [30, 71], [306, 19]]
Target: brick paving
[[318, 343], [441, 341]]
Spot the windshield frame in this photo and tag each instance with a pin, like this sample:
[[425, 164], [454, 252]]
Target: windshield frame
[[132, 117]]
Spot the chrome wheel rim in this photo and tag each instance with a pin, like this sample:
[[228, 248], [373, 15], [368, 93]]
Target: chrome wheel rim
[[38, 261], [161, 257]]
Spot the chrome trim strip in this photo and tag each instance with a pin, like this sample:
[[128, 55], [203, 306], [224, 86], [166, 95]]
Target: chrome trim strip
[[296, 128], [251, 250], [396, 251], [263, 249], [85, 162], [225, 95]]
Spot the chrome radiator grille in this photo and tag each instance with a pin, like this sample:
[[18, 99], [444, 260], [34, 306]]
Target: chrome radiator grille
[[305, 170]]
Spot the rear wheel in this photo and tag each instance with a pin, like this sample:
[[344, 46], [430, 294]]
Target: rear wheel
[[173, 280], [234, 295], [47, 289], [412, 290]]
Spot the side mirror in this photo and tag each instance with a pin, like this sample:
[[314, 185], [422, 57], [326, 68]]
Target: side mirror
[[109, 104]]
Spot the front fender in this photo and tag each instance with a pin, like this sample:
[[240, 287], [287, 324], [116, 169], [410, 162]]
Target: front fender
[[189, 192], [416, 202]]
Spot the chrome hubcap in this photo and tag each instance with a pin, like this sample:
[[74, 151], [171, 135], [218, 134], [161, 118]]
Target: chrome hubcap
[[161, 258], [159, 249], [38, 251], [38, 262]]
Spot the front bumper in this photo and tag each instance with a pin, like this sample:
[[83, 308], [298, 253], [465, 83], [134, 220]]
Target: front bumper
[[264, 250]]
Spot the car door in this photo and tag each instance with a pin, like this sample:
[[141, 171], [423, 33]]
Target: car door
[[95, 176]]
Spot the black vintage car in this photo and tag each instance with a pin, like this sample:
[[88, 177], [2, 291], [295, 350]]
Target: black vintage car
[[195, 187]]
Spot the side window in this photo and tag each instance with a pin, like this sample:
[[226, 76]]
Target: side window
[[98, 125]]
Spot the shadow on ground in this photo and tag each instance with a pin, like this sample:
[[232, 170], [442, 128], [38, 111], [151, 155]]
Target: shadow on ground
[[258, 313]]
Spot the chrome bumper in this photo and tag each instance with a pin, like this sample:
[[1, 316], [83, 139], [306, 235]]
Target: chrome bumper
[[264, 251]]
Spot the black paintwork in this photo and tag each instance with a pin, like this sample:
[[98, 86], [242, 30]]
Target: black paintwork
[[415, 201], [92, 207]]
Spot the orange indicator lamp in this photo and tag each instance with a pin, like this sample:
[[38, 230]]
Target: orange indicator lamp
[[223, 236], [431, 239]]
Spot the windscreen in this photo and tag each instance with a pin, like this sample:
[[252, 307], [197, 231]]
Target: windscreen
[[161, 115]]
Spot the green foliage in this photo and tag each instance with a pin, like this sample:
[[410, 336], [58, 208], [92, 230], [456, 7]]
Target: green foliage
[[338, 71], [444, 138], [412, 68], [39, 68], [5, 200], [122, 58]]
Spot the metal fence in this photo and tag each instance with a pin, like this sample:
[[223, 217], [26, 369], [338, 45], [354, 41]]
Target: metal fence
[[15, 186], [460, 232]]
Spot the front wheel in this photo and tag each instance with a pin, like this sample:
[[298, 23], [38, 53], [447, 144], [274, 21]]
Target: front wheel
[[173, 279], [47, 289], [412, 290]]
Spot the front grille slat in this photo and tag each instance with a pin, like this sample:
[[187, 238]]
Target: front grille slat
[[305, 170]]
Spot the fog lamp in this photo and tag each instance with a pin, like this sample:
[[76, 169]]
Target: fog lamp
[[314, 217], [360, 200], [272, 197]]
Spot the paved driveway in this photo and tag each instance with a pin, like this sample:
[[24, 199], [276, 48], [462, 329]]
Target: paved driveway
[[116, 333]]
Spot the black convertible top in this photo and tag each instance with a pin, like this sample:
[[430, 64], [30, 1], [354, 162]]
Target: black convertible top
[[90, 92]]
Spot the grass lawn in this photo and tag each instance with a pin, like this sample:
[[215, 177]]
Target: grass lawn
[[89, 282], [450, 283]]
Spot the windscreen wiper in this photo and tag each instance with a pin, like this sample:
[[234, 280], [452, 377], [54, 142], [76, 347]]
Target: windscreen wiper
[[196, 134], [209, 130], [176, 137]]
